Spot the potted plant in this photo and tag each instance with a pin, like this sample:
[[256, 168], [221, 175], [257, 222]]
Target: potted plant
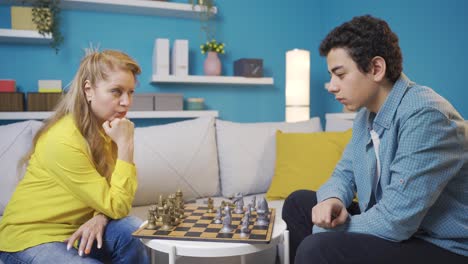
[[205, 14], [212, 64], [46, 17]]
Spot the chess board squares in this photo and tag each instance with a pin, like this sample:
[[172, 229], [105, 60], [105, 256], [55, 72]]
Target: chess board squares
[[146, 232], [178, 233], [224, 235], [192, 217], [209, 234], [204, 222], [184, 224], [194, 214]]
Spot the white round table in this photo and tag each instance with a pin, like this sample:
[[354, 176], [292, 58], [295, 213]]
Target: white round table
[[220, 249]]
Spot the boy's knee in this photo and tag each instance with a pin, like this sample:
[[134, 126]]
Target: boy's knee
[[293, 202], [318, 247]]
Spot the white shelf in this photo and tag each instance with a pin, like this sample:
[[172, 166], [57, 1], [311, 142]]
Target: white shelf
[[23, 36], [131, 114], [200, 79], [139, 7]]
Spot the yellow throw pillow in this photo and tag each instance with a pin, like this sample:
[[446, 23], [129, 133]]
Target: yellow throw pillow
[[305, 160]]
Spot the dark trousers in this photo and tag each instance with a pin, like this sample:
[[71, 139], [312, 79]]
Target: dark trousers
[[346, 247]]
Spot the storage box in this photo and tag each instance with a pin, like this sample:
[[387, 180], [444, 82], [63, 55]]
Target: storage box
[[11, 102], [43, 101], [168, 102], [143, 102], [7, 86], [248, 67], [49, 86], [180, 57], [22, 18], [161, 57], [195, 104]]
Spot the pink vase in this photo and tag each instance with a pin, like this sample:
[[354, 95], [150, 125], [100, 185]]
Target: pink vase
[[212, 65]]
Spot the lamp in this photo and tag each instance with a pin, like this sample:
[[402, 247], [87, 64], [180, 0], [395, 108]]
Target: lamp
[[297, 85]]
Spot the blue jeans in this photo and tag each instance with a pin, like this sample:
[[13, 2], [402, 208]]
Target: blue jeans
[[119, 246]]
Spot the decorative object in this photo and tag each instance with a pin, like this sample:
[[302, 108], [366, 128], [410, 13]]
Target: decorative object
[[180, 155], [206, 8], [22, 18], [46, 16], [168, 102], [212, 45], [7, 86], [11, 102], [297, 85], [305, 160], [49, 86], [195, 104], [212, 65], [161, 57], [246, 153], [248, 67], [143, 102], [180, 57], [43, 101]]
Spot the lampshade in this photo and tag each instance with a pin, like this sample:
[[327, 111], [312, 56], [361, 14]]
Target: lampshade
[[297, 85]]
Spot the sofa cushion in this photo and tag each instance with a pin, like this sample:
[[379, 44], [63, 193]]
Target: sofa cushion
[[305, 160], [15, 142], [339, 121], [246, 153], [180, 155]]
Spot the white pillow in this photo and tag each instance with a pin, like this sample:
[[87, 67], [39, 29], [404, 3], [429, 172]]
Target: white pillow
[[15, 142], [180, 155], [247, 153], [339, 121]]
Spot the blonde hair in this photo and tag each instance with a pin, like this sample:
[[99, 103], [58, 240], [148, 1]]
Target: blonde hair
[[94, 67]]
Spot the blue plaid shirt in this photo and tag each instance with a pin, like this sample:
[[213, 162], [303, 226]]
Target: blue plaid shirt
[[423, 187]]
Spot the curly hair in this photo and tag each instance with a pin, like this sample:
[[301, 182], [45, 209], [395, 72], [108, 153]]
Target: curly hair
[[365, 37]]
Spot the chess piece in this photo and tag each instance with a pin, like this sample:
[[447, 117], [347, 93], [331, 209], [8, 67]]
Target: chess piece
[[249, 209], [210, 205], [227, 220], [247, 216], [227, 209], [179, 195], [237, 197], [262, 213], [166, 219], [239, 206], [244, 230], [151, 221], [161, 201], [253, 202], [219, 215]]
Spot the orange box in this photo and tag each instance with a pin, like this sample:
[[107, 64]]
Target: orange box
[[7, 86]]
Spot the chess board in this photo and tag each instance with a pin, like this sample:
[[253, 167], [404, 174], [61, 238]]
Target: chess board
[[199, 226]]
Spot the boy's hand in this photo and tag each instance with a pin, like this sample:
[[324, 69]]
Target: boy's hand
[[329, 213]]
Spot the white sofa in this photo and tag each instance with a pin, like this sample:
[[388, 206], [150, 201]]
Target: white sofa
[[202, 157]]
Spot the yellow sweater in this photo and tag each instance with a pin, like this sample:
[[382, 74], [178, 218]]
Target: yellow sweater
[[61, 190]]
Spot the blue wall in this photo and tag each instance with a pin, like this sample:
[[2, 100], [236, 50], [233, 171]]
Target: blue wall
[[431, 35]]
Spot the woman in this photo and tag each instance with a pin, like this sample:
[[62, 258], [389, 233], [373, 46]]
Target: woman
[[72, 205]]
